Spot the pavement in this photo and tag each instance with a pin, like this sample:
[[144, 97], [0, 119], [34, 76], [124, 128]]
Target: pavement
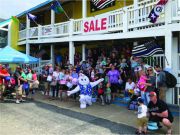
[[38, 118], [117, 114]]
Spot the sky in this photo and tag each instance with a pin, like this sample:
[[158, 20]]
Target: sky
[[10, 8]]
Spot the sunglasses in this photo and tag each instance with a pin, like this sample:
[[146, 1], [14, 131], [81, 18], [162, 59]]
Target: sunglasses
[[151, 95], [149, 70]]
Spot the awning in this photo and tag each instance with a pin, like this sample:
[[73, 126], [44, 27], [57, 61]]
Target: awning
[[10, 55]]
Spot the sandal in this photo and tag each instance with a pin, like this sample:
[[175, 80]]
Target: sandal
[[137, 132], [169, 132]]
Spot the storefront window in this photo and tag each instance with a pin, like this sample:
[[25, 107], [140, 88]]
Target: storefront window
[[3, 39]]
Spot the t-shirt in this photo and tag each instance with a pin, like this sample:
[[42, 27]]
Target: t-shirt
[[152, 80], [34, 77], [130, 86], [108, 91], [136, 91], [159, 107], [56, 75], [113, 76], [142, 111], [29, 76], [23, 75], [17, 75]]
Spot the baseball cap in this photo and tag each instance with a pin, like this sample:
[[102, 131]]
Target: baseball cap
[[152, 94], [140, 100]]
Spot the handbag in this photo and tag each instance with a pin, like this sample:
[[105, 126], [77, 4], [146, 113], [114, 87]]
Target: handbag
[[25, 86], [49, 78], [35, 84], [53, 83]]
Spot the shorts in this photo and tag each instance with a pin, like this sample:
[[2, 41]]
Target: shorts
[[141, 122], [46, 85], [2, 88], [30, 85], [19, 90], [159, 119], [114, 87]]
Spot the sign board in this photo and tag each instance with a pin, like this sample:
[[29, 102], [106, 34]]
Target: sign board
[[95, 25]]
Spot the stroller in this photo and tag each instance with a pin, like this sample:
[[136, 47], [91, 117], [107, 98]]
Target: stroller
[[9, 87]]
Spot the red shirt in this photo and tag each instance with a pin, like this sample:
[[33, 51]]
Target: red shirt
[[1, 80]]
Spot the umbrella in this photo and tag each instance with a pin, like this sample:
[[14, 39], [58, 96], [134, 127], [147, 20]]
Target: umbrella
[[10, 55]]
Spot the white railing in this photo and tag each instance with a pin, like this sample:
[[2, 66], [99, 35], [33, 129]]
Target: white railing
[[115, 21], [33, 32], [156, 60], [175, 10], [22, 34], [78, 26], [125, 19], [61, 28], [138, 16], [178, 69], [176, 95]]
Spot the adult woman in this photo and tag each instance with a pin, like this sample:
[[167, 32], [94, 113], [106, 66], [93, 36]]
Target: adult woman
[[150, 83], [113, 76]]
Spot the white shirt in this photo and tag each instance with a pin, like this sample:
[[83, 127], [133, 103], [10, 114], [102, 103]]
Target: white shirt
[[130, 86], [56, 75], [136, 91], [142, 111]]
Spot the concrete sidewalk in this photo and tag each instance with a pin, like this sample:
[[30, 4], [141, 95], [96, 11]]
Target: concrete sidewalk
[[114, 113]]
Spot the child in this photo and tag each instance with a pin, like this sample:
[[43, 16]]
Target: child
[[136, 94], [142, 119], [108, 93], [142, 80], [129, 87], [101, 92]]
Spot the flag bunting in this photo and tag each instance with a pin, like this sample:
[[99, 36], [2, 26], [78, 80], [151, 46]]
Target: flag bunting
[[56, 6], [156, 11]]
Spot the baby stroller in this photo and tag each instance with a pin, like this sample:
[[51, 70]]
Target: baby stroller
[[9, 87]]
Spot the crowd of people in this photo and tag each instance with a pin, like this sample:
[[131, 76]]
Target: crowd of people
[[123, 74], [21, 82]]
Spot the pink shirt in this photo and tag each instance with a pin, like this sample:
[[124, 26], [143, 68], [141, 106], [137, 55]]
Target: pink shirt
[[34, 77], [142, 79]]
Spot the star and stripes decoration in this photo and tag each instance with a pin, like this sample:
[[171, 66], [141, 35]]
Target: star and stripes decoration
[[156, 11], [101, 4]]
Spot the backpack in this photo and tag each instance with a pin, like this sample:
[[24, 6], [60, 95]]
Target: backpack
[[171, 80]]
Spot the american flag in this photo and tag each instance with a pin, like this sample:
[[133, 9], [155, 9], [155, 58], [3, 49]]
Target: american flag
[[101, 4], [147, 49]]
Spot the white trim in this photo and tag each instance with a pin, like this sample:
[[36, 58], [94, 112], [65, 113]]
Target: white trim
[[4, 29], [9, 34]]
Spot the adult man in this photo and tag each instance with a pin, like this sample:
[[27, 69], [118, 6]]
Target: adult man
[[161, 81], [159, 112], [3, 73]]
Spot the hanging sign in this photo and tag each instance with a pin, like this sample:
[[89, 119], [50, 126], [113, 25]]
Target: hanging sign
[[95, 25]]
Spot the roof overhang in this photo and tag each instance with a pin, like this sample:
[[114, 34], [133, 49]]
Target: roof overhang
[[34, 8], [4, 24]]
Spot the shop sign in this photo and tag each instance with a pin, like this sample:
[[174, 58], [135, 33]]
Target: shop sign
[[47, 31], [95, 25]]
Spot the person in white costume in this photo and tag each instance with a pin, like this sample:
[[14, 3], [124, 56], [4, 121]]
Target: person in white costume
[[85, 88]]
